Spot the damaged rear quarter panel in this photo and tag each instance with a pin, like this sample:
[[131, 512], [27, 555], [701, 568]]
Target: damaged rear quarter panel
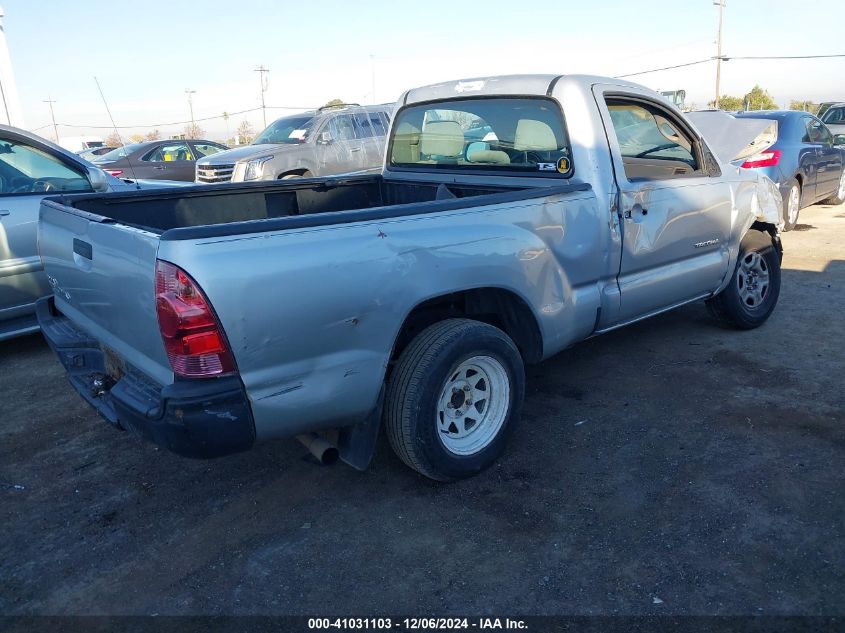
[[312, 314]]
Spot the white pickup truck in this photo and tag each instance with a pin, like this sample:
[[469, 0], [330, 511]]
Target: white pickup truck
[[515, 216]]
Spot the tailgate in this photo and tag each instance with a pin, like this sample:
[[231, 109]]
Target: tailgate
[[103, 279]]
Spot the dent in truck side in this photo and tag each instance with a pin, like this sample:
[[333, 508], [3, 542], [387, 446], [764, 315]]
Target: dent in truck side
[[319, 361], [315, 307]]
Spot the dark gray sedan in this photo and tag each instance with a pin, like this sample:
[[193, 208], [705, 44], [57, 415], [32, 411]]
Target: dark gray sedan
[[159, 160]]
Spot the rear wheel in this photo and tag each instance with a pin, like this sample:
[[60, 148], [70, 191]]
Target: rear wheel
[[751, 296], [454, 398], [791, 205], [839, 195]]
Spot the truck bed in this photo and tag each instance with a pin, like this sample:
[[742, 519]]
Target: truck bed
[[216, 210]]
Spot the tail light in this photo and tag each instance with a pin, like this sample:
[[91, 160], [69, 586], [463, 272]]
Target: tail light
[[767, 158], [113, 172], [193, 338]]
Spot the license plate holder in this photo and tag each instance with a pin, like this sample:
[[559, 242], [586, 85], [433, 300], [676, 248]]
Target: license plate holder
[[113, 365]]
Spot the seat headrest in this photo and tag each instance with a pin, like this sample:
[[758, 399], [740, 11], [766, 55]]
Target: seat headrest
[[442, 138], [534, 135]]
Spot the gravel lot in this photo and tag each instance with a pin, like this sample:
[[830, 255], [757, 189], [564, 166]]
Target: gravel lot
[[672, 467]]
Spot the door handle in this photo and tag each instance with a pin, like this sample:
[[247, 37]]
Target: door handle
[[4, 212], [355, 149], [635, 212], [160, 167]]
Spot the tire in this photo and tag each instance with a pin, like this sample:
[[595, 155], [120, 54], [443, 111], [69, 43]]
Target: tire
[[430, 394], [791, 204], [838, 196], [305, 174], [746, 302]]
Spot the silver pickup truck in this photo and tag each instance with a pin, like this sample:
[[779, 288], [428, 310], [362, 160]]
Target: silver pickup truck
[[515, 216]]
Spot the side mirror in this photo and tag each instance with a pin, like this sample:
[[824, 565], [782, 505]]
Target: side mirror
[[97, 178], [839, 139], [325, 138]]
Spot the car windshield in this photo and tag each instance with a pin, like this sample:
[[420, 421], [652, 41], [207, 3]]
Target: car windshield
[[120, 152], [498, 134], [291, 129]]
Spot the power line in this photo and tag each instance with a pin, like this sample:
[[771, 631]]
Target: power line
[[654, 70], [727, 58]]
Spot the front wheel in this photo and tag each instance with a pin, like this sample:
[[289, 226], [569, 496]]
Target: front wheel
[[752, 293], [453, 398]]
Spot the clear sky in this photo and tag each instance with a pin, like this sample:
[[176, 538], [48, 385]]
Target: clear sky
[[146, 54]]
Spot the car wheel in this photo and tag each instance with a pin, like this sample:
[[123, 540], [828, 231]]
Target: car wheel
[[839, 196], [791, 205], [305, 174], [752, 293], [454, 398]]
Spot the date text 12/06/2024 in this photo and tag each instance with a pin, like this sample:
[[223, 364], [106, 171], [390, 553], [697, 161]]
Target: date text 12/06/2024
[[415, 624]]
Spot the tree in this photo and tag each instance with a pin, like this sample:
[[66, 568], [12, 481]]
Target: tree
[[136, 138], [728, 103], [334, 102], [754, 99], [245, 133], [193, 131], [153, 136], [759, 99], [113, 140], [805, 106]]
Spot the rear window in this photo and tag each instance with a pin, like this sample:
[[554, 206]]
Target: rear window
[[506, 135]]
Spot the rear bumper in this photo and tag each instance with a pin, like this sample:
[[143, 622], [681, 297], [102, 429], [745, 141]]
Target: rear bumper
[[198, 418]]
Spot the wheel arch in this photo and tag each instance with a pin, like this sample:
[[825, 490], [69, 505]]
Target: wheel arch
[[499, 307]]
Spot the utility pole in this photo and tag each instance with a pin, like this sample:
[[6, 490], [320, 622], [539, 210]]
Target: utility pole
[[261, 70], [191, 107], [373, 69], [226, 119], [53, 117], [721, 5]]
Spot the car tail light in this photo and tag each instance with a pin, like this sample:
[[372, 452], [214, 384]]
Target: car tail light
[[193, 338], [113, 172], [767, 158]]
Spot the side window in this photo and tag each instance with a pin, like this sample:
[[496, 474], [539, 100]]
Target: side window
[[653, 146], [206, 149], [835, 116], [816, 132], [342, 128], [25, 169], [169, 152], [370, 124]]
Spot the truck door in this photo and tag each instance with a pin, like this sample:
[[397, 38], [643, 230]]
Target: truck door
[[27, 174], [675, 207]]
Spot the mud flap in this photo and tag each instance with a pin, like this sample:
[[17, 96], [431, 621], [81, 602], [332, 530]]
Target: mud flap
[[357, 444]]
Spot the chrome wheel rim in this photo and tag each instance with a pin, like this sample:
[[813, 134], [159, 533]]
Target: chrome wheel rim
[[752, 280], [473, 405], [841, 193], [794, 204]]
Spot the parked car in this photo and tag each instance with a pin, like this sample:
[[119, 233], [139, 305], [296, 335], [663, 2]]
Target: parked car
[[239, 313], [804, 161], [331, 140], [30, 168], [168, 160], [834, 119], [94, 152]]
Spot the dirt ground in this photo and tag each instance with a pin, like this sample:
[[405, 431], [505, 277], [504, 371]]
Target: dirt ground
[[671, 467]]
